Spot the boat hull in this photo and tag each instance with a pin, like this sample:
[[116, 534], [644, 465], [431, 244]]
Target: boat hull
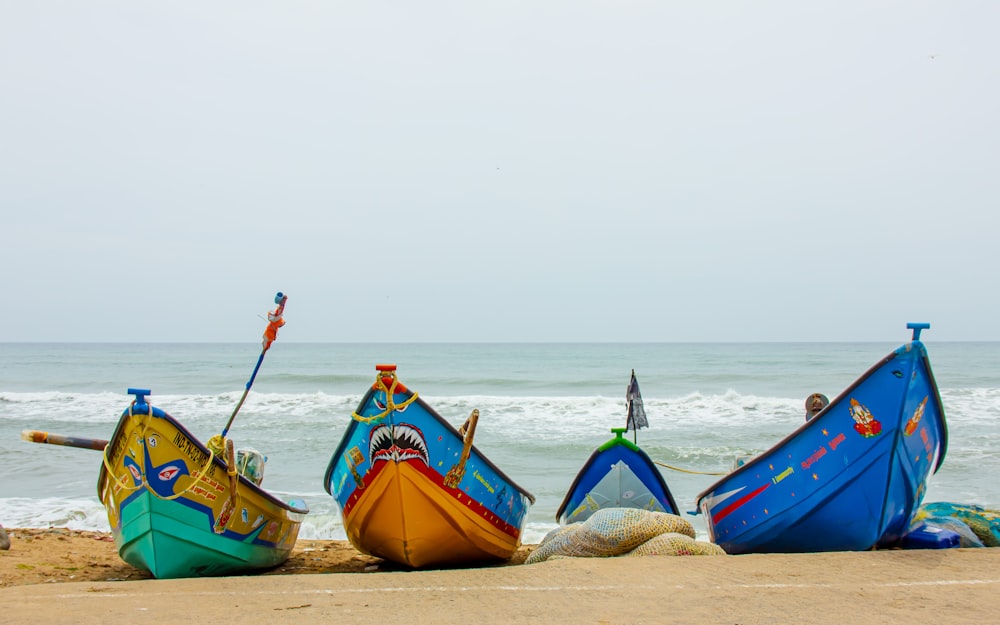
[[849, 479], [617, 475], [406, 495], [172, 508]]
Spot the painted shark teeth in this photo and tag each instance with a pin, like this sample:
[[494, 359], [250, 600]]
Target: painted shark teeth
[[399, 443]]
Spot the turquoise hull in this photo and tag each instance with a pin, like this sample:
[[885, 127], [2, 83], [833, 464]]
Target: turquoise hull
[[176, 510], [171, 541]]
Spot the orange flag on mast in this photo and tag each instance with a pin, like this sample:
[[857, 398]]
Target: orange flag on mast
[[274, 321]]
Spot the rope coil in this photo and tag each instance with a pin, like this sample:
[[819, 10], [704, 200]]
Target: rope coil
[[390, 405], [122, 483]]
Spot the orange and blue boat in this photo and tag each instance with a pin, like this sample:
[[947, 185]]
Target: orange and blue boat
[[850, 478], [178, 509], [415, 491]]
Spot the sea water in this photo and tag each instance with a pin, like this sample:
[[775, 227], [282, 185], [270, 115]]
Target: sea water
[[543, 410]]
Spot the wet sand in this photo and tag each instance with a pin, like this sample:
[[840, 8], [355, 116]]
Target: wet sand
[[56, 576]]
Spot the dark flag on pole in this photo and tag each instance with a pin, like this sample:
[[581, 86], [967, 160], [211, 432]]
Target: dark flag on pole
[[636, 413]]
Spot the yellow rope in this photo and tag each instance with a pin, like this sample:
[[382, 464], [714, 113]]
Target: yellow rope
[[123, 482], [689, 471], [390, 405], [119, 483], [194, 480]]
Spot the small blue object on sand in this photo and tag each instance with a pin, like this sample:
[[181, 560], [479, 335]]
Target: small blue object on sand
[[926, 536]]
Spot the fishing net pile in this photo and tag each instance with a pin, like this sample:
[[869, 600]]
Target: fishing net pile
[[623, 532], [976, 526]]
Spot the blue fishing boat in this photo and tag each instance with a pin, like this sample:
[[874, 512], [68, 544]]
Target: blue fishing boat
[[415, 491], [849, 478], [618, 474]]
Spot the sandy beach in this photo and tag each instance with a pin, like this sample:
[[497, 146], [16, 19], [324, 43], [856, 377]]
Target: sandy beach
[[57, 576]]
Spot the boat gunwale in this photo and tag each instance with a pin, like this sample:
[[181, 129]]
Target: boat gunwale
[[159, 413], [338, 452]]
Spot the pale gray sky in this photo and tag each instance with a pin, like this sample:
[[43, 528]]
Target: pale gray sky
[[499, 171]]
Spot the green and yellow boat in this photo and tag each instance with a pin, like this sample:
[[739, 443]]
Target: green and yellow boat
[[178, 509], [182, 508]]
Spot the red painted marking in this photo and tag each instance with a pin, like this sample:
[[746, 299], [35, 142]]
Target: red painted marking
[[721, 514], [168, 473]]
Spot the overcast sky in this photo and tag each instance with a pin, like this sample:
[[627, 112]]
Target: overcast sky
[[500, 171]]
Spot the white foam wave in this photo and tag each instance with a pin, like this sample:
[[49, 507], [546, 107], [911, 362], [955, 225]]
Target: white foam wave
[[728, 406], [75, 514]]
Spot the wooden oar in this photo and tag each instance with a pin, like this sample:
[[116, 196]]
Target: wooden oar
[[34, 436], [468, 431]]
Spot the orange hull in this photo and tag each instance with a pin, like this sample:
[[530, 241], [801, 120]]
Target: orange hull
[[414, 490], [404, 516]]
